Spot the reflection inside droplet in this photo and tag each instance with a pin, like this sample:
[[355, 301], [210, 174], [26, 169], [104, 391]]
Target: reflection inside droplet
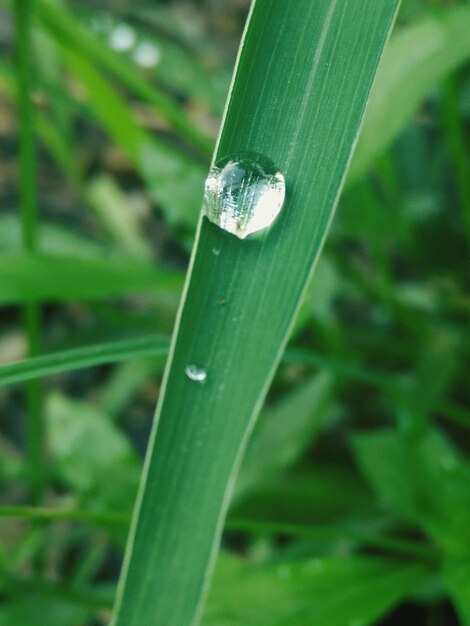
[[244, 193], [198, 374]]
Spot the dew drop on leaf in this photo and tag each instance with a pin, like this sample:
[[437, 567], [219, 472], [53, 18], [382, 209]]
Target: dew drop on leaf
[[244, 193], [198, 374]]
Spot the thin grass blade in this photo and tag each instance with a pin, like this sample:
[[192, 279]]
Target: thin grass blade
[[78, 358], [299, 94]]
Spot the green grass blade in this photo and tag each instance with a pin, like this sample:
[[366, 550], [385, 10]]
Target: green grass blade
[[78, 358], [47, 132], [28, 157], [416, 59], [24, 13], [28, 278], [318, 59], [78, 515]]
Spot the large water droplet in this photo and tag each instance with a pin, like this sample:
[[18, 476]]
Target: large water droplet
[[198, 374], [244, 193]]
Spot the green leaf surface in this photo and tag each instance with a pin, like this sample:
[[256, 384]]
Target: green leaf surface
[[317, 496], [40, 278], [53, 611], [318, 59], [417, 58], [52, 239], [456, 577], [111, 206], [284, 432], [421, 478], [330, 592], [78, 358], [91, 454]]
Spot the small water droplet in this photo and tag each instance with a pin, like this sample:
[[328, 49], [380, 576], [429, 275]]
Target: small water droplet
[[146, 55], [198, 374], [216, 251], [244, 193], [122, 38]]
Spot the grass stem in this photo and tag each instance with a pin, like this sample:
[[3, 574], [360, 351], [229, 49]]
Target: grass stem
[[457, 146], [29, 226]]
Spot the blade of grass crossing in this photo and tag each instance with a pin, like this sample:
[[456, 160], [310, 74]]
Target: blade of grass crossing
[[298, 97], [78, 358], [37, 278], [29, 223]]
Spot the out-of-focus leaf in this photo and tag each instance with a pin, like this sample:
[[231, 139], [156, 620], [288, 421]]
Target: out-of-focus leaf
[[93, 457], [195, 68], [28, 278], [319, 295], [456, 576], [421, 478], [53, 239], [173, 178], [331, 592], [284, 432], [68, 31], [435, 370], [37, 608], [315, 496], [382, 457], [112, 207], [417, 57], [87, 356], [127, 379]]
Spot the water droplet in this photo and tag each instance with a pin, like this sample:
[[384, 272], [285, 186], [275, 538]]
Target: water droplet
[[146, 55], [198, 374], [122, 38], [244, 193], [216, 251]]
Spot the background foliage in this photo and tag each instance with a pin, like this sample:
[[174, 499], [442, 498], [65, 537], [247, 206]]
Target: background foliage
[[361, 516]]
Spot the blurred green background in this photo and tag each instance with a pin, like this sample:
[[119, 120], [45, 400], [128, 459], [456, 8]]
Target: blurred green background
[[362, 448]]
